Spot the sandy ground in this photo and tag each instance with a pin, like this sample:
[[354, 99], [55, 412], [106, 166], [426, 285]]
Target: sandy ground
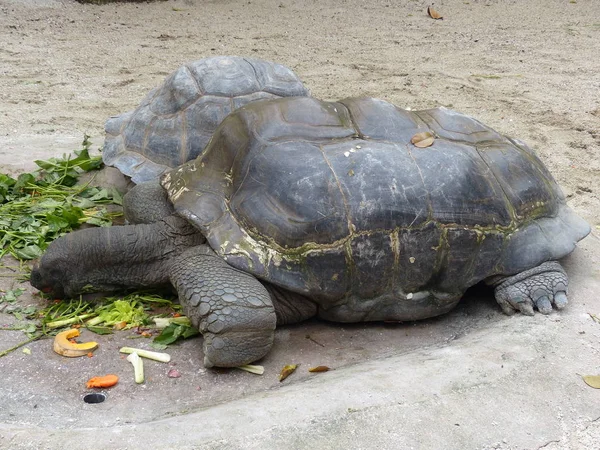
[[529, 69]]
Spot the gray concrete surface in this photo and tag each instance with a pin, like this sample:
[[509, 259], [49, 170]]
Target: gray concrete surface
[[472, 379]]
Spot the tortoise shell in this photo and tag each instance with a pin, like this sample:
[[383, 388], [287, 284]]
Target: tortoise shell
[[175, 121], [331, 200]]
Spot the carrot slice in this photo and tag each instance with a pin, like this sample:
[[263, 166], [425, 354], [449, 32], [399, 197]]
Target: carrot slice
[[102, 382]]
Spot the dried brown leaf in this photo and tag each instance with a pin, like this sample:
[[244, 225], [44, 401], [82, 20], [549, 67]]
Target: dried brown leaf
[[319, 369], [287, 371], [119, 325], [425, 143], [422, 140], [434, 14], [592, 380], [257, 370]]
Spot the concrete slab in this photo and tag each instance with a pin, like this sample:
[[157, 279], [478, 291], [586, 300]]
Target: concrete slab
[[471, 379]]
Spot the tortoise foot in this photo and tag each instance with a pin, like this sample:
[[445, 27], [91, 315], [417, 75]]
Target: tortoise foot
[[231, 308], [543, 288]]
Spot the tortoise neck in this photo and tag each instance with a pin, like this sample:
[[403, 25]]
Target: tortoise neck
[[114, 258]]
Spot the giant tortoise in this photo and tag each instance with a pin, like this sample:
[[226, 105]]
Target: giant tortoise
[[175, 121], [302, 208]]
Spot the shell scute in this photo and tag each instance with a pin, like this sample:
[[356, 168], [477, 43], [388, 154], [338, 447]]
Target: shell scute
[[178, 91]]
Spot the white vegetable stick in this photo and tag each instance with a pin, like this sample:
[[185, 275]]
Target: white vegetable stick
[[156, 356], [138, 367]]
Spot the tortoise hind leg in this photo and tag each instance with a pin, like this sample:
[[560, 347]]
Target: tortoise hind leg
[[541, 287], [231, 308], [290, 307]]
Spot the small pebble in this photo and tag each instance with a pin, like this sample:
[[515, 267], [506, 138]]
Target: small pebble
[[174, 373]]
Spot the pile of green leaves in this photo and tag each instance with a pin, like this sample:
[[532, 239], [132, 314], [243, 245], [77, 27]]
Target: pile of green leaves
[[64, 313], [137, 309], [129, 311], [38, 207]]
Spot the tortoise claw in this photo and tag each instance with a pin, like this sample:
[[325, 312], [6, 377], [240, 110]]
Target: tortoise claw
[[543, 305], [525, 307], [543, 286], [560, 300]]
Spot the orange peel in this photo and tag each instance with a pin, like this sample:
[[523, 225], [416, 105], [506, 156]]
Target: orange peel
[[64, 347]]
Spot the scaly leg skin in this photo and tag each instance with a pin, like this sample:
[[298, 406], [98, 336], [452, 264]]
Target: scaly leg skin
[[542, 287], [231, 308], [146, 203]]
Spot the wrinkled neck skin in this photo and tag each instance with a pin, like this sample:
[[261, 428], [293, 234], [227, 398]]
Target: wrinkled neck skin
[[113, 258]]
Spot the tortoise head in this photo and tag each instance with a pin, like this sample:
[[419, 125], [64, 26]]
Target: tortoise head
[[52, 273], [79, 262]]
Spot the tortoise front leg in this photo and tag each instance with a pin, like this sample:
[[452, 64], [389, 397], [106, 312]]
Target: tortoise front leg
[[231, 308], [147, 203], [541, 287]]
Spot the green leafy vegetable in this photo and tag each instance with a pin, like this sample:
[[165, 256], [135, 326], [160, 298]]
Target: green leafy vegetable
[[6, 184], [175, 331], [163, 322], [23, 314], [38, 207], [130, 312], [100, 330], [156, 346], [12, 295], [63, 313]]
